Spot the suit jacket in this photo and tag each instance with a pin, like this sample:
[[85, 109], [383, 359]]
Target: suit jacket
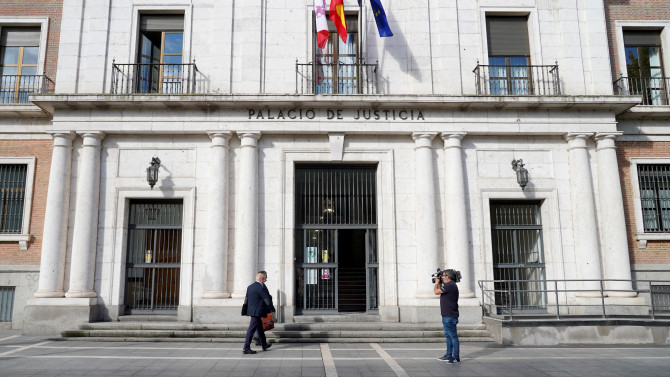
[[259, 301]]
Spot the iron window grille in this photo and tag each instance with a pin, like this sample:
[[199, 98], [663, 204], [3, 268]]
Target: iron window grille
[[12, 197], [6, 304], [654, 183], [518, 257]]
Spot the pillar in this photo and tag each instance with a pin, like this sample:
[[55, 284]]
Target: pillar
[[456, 237], [246, 214], [216, 252], [614, 253], [425, 213], [584, 224], [52, 261], [85, 235]]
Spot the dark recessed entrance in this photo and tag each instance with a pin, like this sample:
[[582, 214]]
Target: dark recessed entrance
[[336, 231]]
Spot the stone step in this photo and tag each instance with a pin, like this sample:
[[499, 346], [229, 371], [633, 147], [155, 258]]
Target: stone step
[[319, 326], [270, 334], [276, 340]]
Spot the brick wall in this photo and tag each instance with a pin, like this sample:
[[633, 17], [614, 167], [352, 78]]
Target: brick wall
[[656, 251], [41, 150], [630, 10], [39, 8]]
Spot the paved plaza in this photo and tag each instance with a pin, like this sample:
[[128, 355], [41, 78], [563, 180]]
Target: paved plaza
[[39, 356]]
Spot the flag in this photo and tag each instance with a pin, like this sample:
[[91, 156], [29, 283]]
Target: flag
[[321, 23], [380, 18], [336, 13]]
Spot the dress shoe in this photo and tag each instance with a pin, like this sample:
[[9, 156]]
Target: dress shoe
[[248, 352], [267, 346]]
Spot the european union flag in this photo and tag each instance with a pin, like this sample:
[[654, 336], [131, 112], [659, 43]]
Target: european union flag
[[380, 17]]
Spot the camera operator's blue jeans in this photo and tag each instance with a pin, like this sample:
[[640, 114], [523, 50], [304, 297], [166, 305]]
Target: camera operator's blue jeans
[[453, 346]]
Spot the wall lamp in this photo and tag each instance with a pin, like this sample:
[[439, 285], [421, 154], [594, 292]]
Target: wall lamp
[[152, 171], [521, 173]]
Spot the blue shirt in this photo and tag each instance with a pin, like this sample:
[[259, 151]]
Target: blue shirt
[[449, 300]]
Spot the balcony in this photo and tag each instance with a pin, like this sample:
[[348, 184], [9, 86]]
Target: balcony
[[15, 89], [336, 78], [517, 80], [154, 78], [654, 90]]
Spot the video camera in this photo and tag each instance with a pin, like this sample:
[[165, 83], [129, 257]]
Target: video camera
[[454, 275]]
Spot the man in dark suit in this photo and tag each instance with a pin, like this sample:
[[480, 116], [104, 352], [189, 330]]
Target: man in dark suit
[[259, 304]]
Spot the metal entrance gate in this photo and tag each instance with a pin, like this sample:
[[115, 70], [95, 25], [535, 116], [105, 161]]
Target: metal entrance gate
[[336, 205], [516, 232], [154, 256]]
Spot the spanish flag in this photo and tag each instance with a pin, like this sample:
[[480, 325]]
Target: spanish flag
[[336, 13]]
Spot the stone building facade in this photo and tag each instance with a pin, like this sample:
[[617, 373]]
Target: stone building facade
[[349, 173]]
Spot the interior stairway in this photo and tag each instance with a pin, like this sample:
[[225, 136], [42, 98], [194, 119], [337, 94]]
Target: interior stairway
[[353, 328]]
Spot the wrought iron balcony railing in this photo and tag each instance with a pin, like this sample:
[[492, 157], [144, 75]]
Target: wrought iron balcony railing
[[560, 299], [655, 91], [16, 89], [154, 78], [336, 78], [517, 80]]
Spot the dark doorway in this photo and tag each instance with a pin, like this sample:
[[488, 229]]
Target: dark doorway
[[153, 262], [335, 239], [351, 284]]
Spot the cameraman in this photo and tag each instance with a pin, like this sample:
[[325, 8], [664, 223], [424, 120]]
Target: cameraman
[[448, 291]]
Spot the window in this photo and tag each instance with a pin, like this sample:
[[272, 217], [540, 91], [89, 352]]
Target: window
[[160, 54], [654, 184], [12, 196], [19, 56], [337, 68], [644, 65], [518, 257], [509, 55], [6, 304]]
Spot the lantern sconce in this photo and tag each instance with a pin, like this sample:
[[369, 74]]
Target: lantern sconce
[[521, 173], [152, 171]]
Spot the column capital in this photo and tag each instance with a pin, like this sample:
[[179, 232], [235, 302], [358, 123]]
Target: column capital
[[92, 138], [452, 139], [605, 140], [577, 139], [220, 138], [62, 138], [249, 138], [423, 139]]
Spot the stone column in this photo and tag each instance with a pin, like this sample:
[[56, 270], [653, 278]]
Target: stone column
[[614, 252], [216, 252], [456, 238], [425, 216], [584, 224], [52, 262], [85, 235], [246, 214]]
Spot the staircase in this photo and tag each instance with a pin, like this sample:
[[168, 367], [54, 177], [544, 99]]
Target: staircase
[[306, 329], [351, 287]]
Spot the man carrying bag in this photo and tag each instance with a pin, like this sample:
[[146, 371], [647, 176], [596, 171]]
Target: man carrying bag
[[258, 304]]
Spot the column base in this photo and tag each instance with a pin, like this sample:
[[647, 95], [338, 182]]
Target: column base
[[238, 295], [50, 316], [621, 293], [81, 294], [215, 294], [49, 294], [466, 293]]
